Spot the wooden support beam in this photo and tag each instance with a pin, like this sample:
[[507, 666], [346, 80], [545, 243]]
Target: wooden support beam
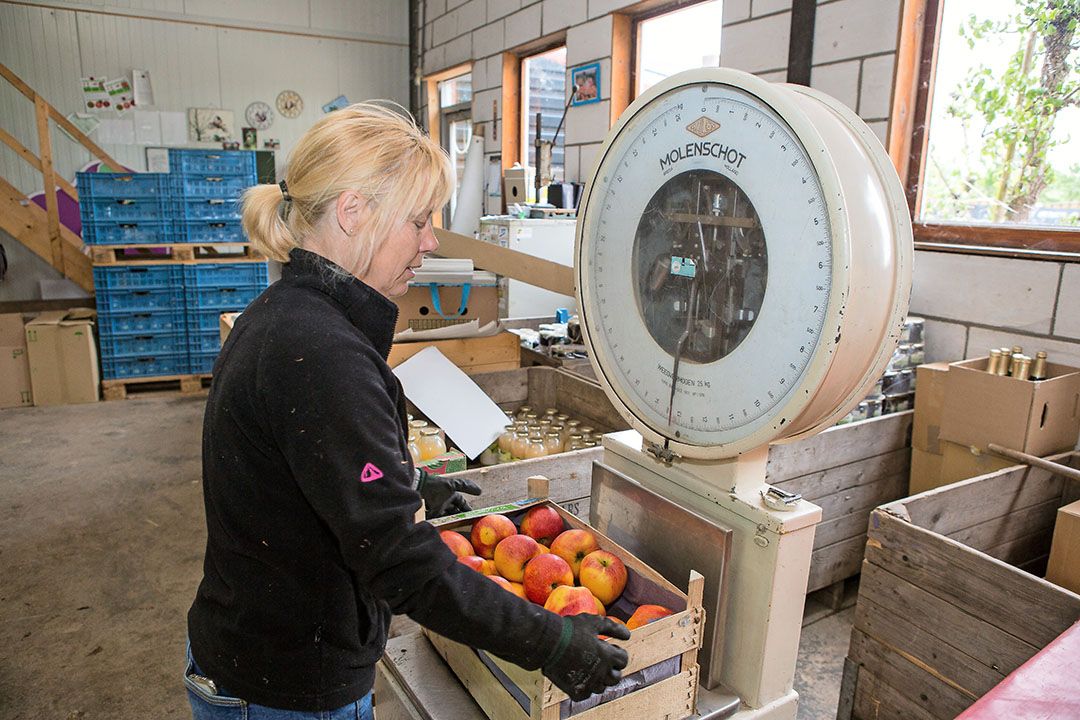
[[83, 140], [621, 71], [511, 110], [20, 149], [52, 209], [511, 263]]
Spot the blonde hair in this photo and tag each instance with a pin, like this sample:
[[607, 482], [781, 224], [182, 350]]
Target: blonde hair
[[373, 148]]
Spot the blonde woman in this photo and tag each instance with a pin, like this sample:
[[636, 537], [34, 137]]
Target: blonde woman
[[309, 488]]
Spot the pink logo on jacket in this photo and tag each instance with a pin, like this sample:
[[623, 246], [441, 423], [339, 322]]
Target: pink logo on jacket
[[370, 473]]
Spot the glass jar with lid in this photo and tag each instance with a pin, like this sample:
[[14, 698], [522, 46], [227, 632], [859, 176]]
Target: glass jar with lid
[[535, 447], [520, 443], [552, 443], [574, 441], [431, 444]]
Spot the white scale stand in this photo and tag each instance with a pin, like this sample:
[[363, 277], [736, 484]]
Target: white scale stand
[[749, 245]]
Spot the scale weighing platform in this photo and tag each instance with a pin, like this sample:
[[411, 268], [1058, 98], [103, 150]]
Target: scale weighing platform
[[743, 261]]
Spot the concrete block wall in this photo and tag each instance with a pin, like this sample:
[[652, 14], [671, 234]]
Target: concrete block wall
[[974, 303], [855, 63]]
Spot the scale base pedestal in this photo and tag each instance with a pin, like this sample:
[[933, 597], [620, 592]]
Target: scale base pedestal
[[768, 570]]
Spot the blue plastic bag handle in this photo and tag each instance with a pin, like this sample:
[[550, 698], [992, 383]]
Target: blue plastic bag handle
[[434, 288]]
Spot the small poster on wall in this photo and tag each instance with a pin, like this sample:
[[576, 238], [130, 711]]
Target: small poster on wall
[[95, 97], [585, 84], [210, 125], [120, 96]]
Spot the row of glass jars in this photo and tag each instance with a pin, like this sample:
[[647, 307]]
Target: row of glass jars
[[530, 434]]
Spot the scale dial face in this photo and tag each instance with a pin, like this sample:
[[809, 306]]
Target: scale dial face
[[706, 264]]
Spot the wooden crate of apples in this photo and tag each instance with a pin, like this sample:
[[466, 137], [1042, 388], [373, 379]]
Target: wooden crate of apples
[[545, 555]]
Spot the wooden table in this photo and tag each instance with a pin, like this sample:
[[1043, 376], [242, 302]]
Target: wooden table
[[413, 683]]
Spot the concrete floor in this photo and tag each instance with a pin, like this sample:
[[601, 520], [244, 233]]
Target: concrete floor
[[101, 543]]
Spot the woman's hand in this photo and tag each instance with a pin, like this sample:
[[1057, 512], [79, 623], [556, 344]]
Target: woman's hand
[[442, 495], [584, 664]]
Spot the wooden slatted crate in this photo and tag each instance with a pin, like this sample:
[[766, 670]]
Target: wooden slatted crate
[[676, 636], [952, 598], [848, 470]]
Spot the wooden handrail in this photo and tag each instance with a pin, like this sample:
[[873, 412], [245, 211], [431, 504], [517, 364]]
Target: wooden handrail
[[76, 134]]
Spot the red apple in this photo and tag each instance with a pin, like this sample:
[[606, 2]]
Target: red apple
[[613, 619], [457, 543], [512, 554], [473, 562], [646, 614], [604, 574], [543, 574], [565, 600], [542, 523], [572, 546], [519, 590], [501, 582], [488, 531]]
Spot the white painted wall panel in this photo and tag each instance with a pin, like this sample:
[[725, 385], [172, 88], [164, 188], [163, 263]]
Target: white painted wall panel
[[840, 80], [195, 65], [1067, 322], [757, 45], [851, 28]]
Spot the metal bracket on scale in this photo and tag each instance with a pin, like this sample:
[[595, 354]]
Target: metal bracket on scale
[[781, 500], [663, 453]]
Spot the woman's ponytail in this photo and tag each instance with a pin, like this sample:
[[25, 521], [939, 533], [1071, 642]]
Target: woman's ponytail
[[264, 224]]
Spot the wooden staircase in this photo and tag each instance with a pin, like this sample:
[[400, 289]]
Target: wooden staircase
[[37, 229]]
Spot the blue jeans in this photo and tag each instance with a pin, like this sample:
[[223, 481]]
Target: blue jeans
[[209, 702]]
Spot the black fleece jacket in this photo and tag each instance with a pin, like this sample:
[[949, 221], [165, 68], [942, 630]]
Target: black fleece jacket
[[307, 481]]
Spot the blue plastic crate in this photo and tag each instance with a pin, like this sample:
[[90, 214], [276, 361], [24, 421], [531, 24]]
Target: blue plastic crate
[[149, 321], [203, 185], [134, 345], [201, 363], [213, 232], [219, 209], [127, 232], [204, 341], [215, 275], [139, 277], [122, 185], [213, 162], [120, 209], [200, 321], [221, 298], [144, 366], [148, 299]]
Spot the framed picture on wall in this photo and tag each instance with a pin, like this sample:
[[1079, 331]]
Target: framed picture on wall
[[210, 125], [585, 84]]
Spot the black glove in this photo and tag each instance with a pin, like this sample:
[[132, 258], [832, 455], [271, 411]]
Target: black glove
[[442, 495], [584, 664]]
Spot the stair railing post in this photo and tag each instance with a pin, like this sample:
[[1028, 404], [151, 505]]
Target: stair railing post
[[52, 209]]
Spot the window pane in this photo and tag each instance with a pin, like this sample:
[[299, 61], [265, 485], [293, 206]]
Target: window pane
[[677, 41], [455, 90], [543, 90], [1003, 112]]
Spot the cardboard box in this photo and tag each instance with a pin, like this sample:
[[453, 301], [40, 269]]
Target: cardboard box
[[925, 471], [15, 388], [63, 357], [448, 462], [12, 333], [960, 462], [1040, 418], [225, 324], [1064, 566], [929, 402], [426, 307]]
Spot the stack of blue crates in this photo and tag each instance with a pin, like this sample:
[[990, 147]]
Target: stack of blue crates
[[162, 319], [206, 188], [126, 208], [211, 289], [141, 321]]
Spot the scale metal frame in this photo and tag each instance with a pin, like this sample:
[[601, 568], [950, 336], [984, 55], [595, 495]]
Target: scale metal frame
[[724, 481]]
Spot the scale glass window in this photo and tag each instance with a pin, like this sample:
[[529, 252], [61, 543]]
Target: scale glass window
[[543, 90], [700, 266], [676, 41]]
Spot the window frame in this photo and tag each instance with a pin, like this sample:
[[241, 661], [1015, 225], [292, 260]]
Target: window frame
[[913, 97], [435, 113], [524, 149], [635, 21]]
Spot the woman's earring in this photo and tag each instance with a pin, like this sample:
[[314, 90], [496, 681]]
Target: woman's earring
[[347, 233]]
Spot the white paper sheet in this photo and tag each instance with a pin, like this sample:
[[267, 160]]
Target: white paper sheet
[[147, 127], [143, 90], [174, 128], [116, 131], [440, 390]]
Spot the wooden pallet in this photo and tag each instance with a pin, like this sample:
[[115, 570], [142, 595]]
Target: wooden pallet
[[185, 384], [178, 253]]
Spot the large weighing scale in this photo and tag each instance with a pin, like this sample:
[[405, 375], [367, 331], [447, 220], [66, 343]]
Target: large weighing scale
[[743, 262]]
